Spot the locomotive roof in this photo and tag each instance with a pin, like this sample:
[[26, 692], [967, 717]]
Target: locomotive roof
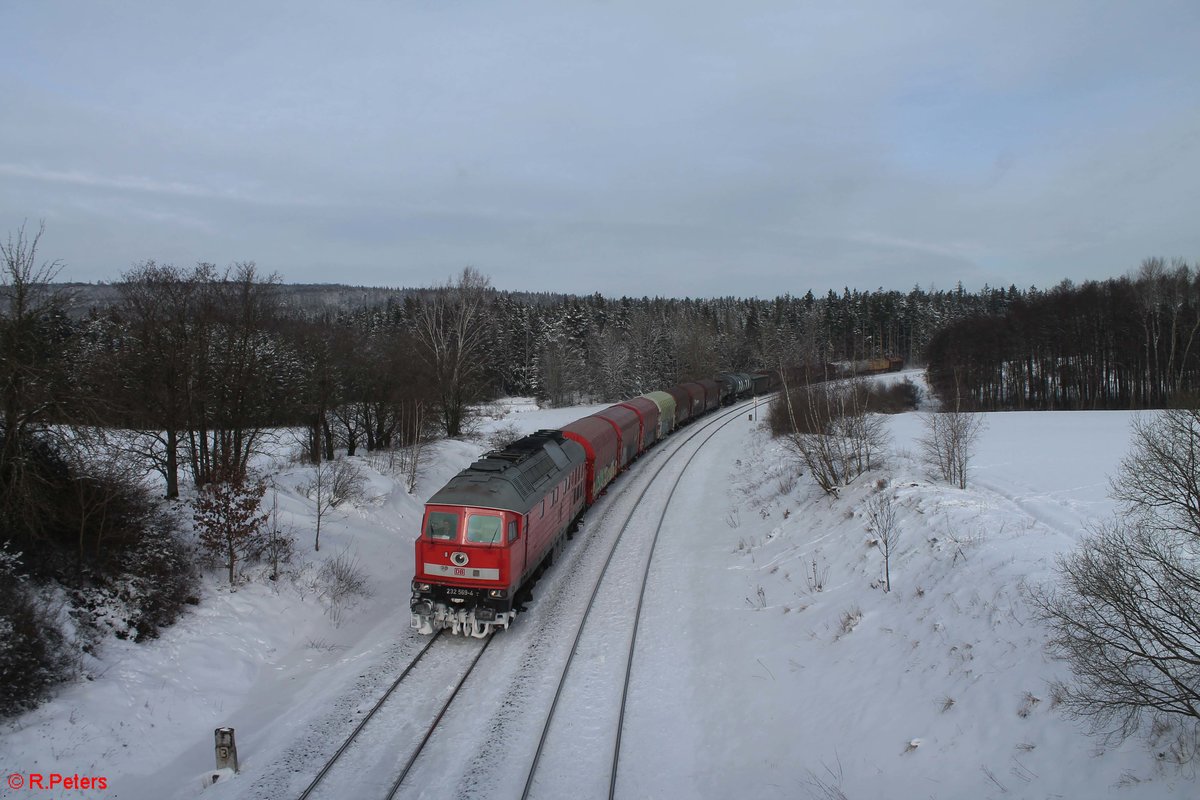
[[513, 478]]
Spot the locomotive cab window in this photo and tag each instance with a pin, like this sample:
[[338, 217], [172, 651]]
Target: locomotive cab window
[[483, 529], [442, 525], [512, 531]]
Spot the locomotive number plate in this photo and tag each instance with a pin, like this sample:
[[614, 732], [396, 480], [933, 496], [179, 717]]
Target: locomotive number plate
[[461, 592]]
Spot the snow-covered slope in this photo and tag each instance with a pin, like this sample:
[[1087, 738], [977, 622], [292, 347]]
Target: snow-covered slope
[[771, 662]]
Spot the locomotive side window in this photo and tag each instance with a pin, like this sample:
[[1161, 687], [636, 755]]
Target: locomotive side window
[[512, 531], [442, 525], [483, 530]]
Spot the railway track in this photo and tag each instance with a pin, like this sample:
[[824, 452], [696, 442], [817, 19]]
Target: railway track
[[367, 766], [382, 751], [594, 674]]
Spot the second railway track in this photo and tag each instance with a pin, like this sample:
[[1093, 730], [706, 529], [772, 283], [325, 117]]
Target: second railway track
[[528, 669]]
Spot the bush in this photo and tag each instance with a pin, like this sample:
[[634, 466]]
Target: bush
[[91, 532], [346, 483], [893, 398], [340, 583], [503, 436], [815, 406], [33, 653], [161, 580], [829, 428]]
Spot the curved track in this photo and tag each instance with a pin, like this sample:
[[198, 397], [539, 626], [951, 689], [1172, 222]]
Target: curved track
[[589, 684], [370, 764]]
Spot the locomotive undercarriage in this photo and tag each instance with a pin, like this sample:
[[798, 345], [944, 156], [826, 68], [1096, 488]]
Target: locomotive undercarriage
[[477, 621]]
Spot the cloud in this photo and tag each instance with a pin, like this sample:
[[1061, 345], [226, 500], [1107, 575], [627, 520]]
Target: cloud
[[616, 146]]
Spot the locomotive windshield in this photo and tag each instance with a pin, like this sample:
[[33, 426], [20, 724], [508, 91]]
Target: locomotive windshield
[[483, 529], [442, 525]]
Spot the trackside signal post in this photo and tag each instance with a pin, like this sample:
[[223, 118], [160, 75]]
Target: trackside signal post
[[226, 749]]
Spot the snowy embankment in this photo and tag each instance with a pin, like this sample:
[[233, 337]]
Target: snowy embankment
[[780, 666], [803, 678]]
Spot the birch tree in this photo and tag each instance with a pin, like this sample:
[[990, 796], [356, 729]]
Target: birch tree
[[452, 329]]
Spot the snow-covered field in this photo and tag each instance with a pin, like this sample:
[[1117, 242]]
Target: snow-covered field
[[770, 663]]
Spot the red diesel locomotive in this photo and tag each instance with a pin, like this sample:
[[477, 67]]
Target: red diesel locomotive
[[488, 531], [490, 528]]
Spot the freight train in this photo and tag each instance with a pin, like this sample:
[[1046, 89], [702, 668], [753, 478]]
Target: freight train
[[495, 526]]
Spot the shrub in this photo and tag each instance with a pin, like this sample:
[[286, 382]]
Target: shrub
[[829, 428], [893, 398], [346, 483], [33, 653], [229, 521], [340, 582], [503, 436], [162, 580]]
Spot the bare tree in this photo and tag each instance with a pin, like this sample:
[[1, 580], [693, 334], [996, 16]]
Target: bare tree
[[832, 433], [1127, 619], [33, 338], [157, 309], [949, 443], [1126, 616], [240, 371], [28, 306], [334, 483], [451, 328], [881, 520], [1159, 480]]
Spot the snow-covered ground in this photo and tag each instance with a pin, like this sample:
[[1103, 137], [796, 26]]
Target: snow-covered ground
[[770, 662]]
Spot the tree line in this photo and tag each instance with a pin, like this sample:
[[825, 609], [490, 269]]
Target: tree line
[[1123, 343]]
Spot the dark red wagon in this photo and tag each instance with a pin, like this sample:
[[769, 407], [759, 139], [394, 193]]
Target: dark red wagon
[[648, 415], [683, 404], [629, 435], [696, 392], [712, 393], [602, 446]]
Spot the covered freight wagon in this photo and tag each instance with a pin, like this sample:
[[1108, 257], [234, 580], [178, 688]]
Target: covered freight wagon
[[648, 415], [696, 393], [666, 411], [683, 404], [600, 443], [712, 393], [629, 436]]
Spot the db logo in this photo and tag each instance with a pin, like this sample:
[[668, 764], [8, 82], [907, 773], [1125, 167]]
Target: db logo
[[459, 571]]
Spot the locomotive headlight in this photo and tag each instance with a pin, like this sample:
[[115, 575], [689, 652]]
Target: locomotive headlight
[[497, 593], [420, 587]]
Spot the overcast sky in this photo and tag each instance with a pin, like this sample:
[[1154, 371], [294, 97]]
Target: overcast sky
[[649, 147]]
